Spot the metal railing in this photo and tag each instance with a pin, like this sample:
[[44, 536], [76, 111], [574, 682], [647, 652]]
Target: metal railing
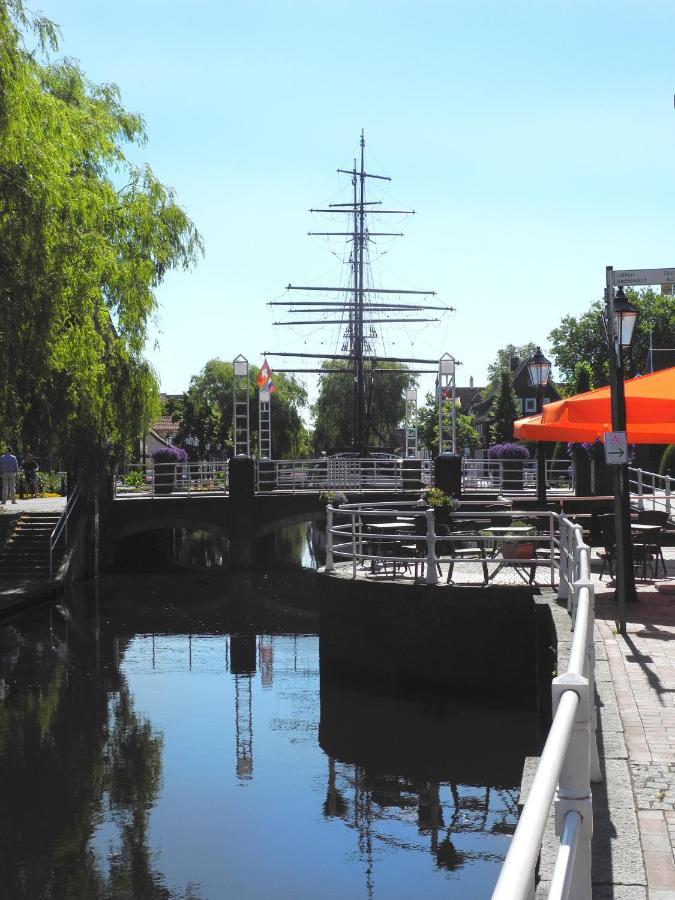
[[569, 760], [182, 479], [506, 475], [353, 534], [343, 474], [649, 490], [60, 531]]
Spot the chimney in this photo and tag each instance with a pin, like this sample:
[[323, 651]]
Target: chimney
[[471, 381], [515, 362]]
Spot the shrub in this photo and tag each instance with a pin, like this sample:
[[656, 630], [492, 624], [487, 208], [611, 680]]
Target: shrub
[[508, 451], [335, 498], [169, 455], [437, 499], [133, 479]]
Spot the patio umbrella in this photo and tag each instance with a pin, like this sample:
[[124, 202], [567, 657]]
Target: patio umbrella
[[650, 414]]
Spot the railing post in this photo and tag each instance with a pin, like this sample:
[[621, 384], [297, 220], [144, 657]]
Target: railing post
[[432, 577], [329, 539], [641, 502], [353, 545], [574, 785], [668, 494]]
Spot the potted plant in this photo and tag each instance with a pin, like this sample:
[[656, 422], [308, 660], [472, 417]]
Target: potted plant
[[441, 503], [512, 457], [335, 498], [516, 544], [165, 461]]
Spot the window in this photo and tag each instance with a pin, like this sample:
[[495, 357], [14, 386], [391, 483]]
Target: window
[[529, 404]]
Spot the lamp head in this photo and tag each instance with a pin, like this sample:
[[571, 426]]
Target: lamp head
[[539, 368], [625, 317]]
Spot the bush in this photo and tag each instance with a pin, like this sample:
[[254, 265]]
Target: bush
[[49, 483], [508, 451], [667, 464], [335, 498], [437, 499], [133, 479], [169, 455]]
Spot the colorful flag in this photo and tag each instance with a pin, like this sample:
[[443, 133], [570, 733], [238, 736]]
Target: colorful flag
[[264, 375], [270, 386]]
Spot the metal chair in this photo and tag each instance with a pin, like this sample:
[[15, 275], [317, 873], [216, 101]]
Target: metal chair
[[459, 551]]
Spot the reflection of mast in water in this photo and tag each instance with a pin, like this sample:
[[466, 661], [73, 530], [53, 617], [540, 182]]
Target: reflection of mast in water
[[266, 660], [243, 667]]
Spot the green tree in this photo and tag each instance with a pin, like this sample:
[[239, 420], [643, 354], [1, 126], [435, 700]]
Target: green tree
[[427, 426], [502, 363], [85, 239], [583, 339], [205, 412], [504, 410], [385, 405]]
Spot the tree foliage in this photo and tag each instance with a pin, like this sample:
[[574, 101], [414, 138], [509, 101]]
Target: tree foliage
[[427, 426], [85, 239], [502, 363], [385, 406], [504, 411], [583, 339], [205, 413]]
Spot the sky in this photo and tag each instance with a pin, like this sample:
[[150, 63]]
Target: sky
[[534, 140]]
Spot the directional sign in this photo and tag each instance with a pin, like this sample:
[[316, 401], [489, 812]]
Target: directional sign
[[616, 449], [643, 276]]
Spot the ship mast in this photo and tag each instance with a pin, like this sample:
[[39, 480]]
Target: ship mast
[[358, 345]]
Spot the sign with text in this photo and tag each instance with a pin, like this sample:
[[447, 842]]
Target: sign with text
[[626, 277], [616, 448]]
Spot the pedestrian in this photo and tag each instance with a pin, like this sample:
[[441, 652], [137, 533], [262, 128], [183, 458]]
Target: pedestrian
[[8, 469], [30, 469]]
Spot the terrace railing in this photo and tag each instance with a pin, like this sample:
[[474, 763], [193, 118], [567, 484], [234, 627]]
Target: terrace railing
[[650, 491]]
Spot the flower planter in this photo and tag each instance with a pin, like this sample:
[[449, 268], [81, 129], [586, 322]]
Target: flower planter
[[518, 549], [165, 478]]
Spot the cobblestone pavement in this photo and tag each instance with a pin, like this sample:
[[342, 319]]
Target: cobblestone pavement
[[642, 667]]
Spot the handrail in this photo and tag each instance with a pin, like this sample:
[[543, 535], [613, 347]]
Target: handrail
[[651, 489], [569, 758], [61, 527]]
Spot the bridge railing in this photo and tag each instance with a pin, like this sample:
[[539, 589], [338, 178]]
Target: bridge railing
[[343, 474], [569, 760], [650, 491], [507, 476], [59, 535], [181, 479]]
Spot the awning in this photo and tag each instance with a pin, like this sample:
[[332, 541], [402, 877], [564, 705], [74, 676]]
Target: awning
[[650, 414]]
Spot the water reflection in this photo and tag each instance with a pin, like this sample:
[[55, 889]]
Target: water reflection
[[172, 738]]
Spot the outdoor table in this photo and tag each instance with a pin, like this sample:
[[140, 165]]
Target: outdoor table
[[380, 530], [517, 532]]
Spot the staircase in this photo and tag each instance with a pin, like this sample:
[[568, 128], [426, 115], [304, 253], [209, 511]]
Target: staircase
[[26, 552]]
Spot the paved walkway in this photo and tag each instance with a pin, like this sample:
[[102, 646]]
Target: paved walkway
[[642, 669]]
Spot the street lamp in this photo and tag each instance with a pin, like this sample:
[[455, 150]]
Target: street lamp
[[539, 369], [620, 319]]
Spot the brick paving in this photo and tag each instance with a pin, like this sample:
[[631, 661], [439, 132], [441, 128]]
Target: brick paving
[[642, 669]]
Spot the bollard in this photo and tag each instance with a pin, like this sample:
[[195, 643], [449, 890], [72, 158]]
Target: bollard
[[432, 577]]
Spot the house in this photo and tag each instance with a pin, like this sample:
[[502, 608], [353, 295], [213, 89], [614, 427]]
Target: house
[[526, 400], [161, 433]]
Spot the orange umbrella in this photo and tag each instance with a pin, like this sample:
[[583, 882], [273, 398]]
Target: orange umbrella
[[650, 414]]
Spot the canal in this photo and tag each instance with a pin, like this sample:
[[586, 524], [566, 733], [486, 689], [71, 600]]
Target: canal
[[169, 735]]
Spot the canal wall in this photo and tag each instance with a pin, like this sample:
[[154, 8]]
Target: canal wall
[[495, 644]]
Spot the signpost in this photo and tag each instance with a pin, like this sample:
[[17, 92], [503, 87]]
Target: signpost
[[616, 448], [636, 277]]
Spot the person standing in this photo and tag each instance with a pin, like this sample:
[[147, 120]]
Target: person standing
[[8, 468]]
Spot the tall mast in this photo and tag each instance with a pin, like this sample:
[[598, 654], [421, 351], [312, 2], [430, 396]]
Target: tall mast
[[356, 343]]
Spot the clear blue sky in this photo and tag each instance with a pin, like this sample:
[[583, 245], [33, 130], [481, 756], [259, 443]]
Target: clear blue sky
[[535, 140]]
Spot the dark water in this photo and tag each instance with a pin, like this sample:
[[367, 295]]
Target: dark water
[[170, 736]]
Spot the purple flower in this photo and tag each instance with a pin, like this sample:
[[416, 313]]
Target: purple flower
[[508, 451], [169, 455]]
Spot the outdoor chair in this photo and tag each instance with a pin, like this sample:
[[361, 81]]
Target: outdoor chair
[[654, 539], [418, 550], [608, 538]]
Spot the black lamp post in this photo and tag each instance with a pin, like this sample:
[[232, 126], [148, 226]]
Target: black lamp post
[[620, 319], [539, 369]]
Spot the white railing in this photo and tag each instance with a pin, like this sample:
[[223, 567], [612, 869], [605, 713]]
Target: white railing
[[650, 491], [569, 761], [353, 535], [343, 474], [505, 475], [60, 530], [161, 479]]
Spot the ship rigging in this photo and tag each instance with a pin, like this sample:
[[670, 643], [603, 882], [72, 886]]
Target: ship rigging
[[357, 304]]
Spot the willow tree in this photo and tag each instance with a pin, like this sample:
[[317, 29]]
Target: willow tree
[[85, 239]]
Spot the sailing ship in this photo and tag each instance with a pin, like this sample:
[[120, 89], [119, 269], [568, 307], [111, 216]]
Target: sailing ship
[[359, 307]]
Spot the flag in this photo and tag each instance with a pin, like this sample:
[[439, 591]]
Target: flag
[[270, 386], [264, 376]]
